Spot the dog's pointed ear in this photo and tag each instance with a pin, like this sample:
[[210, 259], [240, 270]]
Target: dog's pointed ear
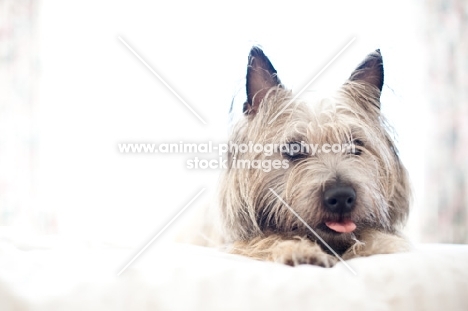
[[370, 70], [261, 77]]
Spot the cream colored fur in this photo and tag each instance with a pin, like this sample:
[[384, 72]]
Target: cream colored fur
[[256, 224]]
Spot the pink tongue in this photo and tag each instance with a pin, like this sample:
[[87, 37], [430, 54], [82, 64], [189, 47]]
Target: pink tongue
[[343, 227]]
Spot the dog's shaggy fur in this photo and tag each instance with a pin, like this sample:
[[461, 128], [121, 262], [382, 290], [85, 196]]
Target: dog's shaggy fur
[[256, 222]]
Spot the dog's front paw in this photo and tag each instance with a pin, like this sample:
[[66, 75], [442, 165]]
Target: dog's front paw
[[316, 259], [303, 252], [374, 242], [291, 251]]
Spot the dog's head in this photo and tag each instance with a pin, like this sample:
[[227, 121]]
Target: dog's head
[[332, 160]]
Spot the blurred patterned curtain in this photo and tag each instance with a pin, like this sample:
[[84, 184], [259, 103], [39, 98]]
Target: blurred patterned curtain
[[18, 86], [446, 199]]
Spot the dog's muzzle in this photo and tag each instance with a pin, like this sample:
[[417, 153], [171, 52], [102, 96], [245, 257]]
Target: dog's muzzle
[[340, 200]]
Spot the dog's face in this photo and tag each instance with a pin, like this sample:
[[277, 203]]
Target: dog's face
[[339, 191]]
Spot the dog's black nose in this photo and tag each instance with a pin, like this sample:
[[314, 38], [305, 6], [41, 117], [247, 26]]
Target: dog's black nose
[[339, 199]]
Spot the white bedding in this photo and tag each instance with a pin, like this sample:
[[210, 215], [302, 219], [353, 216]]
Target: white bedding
[[184, 277]]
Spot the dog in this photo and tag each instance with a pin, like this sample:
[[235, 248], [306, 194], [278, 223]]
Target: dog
[[314, 208]]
